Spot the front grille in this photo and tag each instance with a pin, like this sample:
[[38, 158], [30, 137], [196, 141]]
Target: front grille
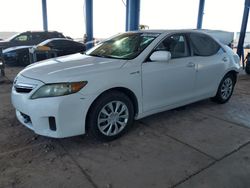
[[23, 88]]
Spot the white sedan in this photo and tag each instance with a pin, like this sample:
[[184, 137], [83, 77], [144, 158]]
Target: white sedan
[[127, 77]]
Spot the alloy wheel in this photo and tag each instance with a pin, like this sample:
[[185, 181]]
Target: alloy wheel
[[113, 118], [226, 88]]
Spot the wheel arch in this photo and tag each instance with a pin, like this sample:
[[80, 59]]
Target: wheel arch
[[217, 97], [124, 90], [233, 73]]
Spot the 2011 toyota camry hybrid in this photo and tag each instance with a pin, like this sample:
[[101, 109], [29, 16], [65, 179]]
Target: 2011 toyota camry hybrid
[[127, 77]]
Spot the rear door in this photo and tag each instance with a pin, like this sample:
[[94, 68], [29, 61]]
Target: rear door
[[210, 59]]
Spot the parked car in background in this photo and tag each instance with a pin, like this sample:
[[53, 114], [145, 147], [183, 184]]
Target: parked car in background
[[2, 65], [247, 61], [16, 56], [63, 46], [20, 55], [247, 68], [127, 77], [29, 38], [224, 37], [247, 46]]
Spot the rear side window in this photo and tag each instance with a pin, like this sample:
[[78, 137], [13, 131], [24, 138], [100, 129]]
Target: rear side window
[[55, 35], [203, 45], [37, 36], [62, 43], [40, 36], [57, 43]]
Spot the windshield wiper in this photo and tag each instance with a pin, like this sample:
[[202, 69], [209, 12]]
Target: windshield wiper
[[106, 56], [96, 55]]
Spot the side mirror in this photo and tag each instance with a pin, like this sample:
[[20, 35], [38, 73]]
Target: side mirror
[[162, 56]]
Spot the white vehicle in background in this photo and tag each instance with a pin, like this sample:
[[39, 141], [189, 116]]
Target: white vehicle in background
[[224, 37], [127, 77]]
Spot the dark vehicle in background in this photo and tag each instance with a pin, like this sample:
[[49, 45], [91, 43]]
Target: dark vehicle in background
[[29, 38], [16, 56], [247, 61], [20, 56], [64, 46], [247, 68]]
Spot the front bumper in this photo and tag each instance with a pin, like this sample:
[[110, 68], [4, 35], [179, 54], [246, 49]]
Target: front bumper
[[66, 112]]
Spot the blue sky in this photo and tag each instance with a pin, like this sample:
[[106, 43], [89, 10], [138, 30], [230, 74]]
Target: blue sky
[[109, 15]]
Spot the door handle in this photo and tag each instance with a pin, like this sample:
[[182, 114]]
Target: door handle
[[190, 64]]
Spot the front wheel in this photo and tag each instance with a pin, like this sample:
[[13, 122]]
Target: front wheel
[[110, 116], [225, 89]]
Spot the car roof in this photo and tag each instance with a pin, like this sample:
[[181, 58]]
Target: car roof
[[41, 32], [53, 39], [166, 31], [211, 33]]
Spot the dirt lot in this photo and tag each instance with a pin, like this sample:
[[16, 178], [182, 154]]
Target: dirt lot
[[200, 145]]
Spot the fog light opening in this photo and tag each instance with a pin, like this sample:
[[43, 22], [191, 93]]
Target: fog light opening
[[52, 123]]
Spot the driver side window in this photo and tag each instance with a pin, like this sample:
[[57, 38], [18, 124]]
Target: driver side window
[[176, 45]]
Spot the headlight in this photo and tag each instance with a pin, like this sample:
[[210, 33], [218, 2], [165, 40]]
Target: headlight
[[58, 89]]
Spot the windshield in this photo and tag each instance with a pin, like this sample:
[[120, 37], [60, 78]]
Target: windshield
[[124, 46]]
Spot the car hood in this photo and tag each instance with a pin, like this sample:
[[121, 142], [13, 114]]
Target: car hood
[[15, 48], [68, 68]]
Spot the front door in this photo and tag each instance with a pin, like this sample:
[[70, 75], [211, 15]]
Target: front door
[[172, 82]]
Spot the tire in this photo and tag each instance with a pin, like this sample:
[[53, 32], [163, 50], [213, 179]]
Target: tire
[[110, 116], [225, 89], [247, 68]]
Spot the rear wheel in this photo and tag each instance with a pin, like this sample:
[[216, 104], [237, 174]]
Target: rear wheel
[[225, 89], [110, 116]]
